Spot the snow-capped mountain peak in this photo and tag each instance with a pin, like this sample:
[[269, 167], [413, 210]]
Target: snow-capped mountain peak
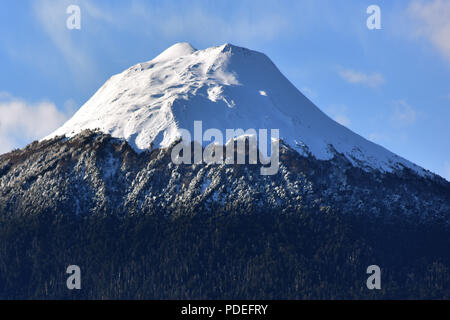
[[177, 50], [226, 87]]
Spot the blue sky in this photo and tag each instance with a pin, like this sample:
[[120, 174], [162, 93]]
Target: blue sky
[[391, 86]]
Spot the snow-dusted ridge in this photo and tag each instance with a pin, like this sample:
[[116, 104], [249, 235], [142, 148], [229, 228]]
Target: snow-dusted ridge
[[226, 87]]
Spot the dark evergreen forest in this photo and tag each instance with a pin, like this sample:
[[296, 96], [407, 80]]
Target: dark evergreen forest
[[223, 255]]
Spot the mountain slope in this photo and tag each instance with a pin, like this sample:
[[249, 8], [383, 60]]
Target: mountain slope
[[226, 87], [94, 173]]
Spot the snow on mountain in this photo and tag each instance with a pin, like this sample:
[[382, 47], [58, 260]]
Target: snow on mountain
[[226, 87]]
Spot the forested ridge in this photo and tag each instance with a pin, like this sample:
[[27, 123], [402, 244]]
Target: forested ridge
[[223, 255]]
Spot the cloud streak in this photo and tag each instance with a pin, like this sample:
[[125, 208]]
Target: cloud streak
[[372, 80], [433, 19], [339, 114], [404, 114], [171, 19], [22, 122], [52, 17]]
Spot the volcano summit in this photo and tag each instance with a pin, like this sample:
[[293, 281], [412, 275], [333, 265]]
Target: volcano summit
[[225, 87]]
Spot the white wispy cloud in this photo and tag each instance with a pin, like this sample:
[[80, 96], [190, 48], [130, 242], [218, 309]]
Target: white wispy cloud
[[22, 122], [97, 13], [339, 114], [432, 19], [342, 119], [308, 92], [404, 114], [208, 23], [375, 137], [358, 77], [161, 23], [400, 120], [51, 17]]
